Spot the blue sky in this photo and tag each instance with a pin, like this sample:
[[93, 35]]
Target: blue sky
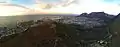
[[30, 2], [24, 2], [112, 1]]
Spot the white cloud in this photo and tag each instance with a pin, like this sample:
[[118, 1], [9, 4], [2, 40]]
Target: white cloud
[[84, 6], [98, 5], [87, 6], [5, 1], [9, 10], [2, 0]]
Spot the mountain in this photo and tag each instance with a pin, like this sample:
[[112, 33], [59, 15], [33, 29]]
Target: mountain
[[100, 15], [115, 28], [91, 26], [83, 14], [72, 29], [117, 17], [89, 20]]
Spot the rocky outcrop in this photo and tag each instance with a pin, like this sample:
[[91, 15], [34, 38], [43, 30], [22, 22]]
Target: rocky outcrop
[[61, 32]]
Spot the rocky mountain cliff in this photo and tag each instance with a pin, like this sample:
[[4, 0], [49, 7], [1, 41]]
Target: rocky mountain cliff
[[71, 29]]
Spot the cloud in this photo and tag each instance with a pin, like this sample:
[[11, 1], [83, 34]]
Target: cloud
[[5, 1], [86, 6], [12, 9], [99, 5], [82, 6]]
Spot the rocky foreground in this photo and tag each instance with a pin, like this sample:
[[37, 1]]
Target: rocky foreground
[[85, 30]]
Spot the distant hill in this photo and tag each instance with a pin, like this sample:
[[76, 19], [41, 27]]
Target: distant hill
[[101, 15]]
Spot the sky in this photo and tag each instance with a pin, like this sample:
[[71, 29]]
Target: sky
[[80, 6], [112, 1]]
